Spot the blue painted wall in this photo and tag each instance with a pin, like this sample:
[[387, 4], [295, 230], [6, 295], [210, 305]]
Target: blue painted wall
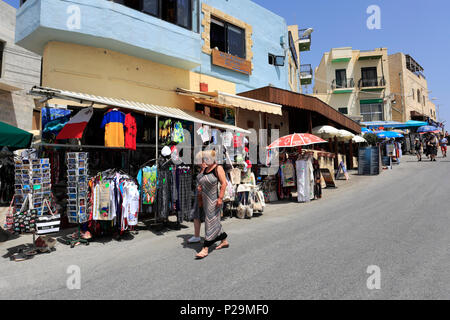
[[109, 25], [268, 28]]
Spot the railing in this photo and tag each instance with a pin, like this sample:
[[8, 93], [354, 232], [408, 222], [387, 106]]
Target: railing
[[306, 70], [372, 82], [349, 83]]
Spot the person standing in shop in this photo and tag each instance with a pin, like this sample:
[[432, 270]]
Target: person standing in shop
[[212, 199], [317, 185]]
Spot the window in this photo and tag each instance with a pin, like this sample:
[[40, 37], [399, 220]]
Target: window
[[2, 48], [414, 94], [343, 110], [276, 60], [341, 78], [369, 77], [423, 100], [227, 38], [372, 112], [150, 7], [178, 12], [418, 95]]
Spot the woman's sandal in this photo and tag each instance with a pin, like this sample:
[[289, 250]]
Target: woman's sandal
[[222, 246], [201, 256]]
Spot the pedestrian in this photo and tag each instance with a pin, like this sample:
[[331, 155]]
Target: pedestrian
[[212, 199], [198, 213], [443, 143], [418, 146], [433, 143]]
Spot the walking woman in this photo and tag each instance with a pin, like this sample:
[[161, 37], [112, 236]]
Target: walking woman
[[198, 214], [418, 146], [212, 200]]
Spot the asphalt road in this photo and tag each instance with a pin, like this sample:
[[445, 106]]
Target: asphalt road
[[398, 221]]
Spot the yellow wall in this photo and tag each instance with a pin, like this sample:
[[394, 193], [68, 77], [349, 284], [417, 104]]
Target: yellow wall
[[111, 74]]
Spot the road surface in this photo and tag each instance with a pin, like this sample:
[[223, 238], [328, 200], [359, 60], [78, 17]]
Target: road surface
[[398, 222]]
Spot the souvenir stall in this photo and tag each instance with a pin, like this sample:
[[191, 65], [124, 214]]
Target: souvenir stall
[[137, 169], [298, 171]]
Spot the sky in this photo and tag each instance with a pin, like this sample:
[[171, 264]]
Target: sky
[[416, 27]]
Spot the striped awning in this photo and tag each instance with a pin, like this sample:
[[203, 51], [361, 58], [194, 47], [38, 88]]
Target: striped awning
[[152, 109]]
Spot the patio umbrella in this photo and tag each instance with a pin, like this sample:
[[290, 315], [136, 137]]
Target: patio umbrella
[[366, 130], [345, 135], [428, 129], [13, 137], [359, 139], [325, 131], [389, 134], [296, 140]]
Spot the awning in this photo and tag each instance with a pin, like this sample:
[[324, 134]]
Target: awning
[[13, 137], [385, 124], [231, 100], [162, 111]]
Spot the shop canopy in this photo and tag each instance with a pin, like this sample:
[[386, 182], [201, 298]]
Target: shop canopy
[[14, 138], [394, 124], [156, 110], [378, 124], [230, 100]]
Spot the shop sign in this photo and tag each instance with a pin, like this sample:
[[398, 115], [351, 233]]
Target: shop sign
[[231, 62]]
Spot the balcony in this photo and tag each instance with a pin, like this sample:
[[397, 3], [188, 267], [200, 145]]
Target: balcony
[[304, 42], [343, 86], [108, 25], [306, 74], [372, 84]]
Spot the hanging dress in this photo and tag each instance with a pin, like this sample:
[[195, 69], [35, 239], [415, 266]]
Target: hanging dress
[[213, 226]]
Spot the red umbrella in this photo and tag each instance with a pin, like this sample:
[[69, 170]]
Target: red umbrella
[[296, 140]]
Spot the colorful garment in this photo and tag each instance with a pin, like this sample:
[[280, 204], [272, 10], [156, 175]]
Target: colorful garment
[[130, 132], [114, 122], [147, 178], [178, 133], [288, 174]]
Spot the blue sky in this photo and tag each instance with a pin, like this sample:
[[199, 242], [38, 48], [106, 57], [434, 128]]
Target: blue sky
[[415, 27]]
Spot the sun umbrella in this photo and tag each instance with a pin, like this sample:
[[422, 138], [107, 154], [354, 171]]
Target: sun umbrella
[[325, 131], [345, 135], [359, 139], [366, 130], [296, 140], [389, 134], [13, 137], [426, 129]]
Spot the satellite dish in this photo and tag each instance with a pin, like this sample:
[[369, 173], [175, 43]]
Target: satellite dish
[[307, 32]]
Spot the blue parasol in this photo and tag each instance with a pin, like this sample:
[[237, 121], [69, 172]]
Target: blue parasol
[[389, 134]]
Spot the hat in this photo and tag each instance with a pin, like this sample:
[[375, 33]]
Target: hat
[[166, 151]]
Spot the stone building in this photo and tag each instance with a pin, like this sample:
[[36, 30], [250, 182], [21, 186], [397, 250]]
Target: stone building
[[20, 70]]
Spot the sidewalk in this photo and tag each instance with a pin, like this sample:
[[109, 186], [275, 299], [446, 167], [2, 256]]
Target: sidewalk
[[8, 241]]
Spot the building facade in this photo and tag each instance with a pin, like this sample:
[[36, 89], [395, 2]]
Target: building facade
[[19, 71], [355, 82], [146, 51], [409, 88]]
